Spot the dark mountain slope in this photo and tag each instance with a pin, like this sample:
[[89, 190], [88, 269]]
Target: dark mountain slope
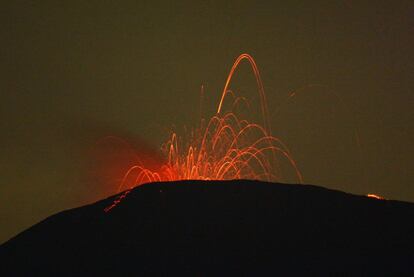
[[219, 227]]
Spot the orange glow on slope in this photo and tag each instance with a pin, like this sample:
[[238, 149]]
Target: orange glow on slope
[[375, 196], [228, 147], [113, 156]]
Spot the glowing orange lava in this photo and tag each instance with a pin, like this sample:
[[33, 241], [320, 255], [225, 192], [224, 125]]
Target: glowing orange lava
[[375, 196], [227, 147]]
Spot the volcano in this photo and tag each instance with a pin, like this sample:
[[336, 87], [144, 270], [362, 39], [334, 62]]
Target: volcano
[[219, 227]]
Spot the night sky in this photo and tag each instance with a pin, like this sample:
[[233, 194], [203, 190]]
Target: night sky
[[72, 73]]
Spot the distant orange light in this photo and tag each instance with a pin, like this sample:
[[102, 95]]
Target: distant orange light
[[375, 196]]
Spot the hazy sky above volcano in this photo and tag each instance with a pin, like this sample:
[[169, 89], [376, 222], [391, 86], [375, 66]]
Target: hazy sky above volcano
[[73, 72]]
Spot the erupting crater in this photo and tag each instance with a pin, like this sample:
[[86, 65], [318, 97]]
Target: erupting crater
[[226, 147]]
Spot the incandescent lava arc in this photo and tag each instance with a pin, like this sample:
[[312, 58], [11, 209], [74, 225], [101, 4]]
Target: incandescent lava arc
[[227, 147]]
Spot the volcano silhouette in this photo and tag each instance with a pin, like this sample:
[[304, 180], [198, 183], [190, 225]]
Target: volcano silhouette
[[219, 227]]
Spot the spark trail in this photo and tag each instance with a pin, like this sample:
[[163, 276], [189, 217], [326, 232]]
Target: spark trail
[[227, 147]]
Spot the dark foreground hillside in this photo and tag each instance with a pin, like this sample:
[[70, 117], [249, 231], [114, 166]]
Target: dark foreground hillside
[[219, 227]]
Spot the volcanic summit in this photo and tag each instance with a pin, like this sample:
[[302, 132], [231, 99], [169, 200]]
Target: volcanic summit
[[219, 227]]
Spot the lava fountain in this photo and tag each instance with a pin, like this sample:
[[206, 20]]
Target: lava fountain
[[227, 147]]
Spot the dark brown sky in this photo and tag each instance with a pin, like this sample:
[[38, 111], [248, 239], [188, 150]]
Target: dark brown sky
[[73, 72]]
